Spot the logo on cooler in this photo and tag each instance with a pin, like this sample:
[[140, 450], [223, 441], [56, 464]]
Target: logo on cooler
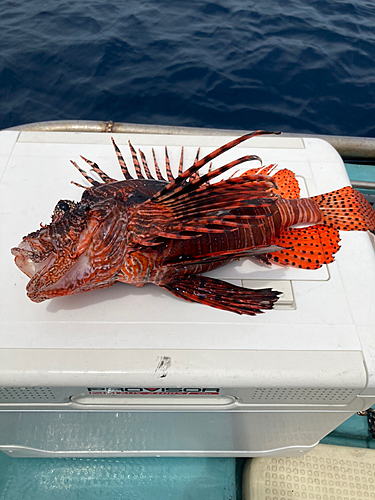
[[157, 391]]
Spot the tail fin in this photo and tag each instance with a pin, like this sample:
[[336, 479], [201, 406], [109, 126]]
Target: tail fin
[[346, 209]]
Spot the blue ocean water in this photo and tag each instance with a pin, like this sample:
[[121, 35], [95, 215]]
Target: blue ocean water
[[295, 66]]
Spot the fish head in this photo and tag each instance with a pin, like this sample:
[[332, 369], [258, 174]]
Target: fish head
[[81, 249]]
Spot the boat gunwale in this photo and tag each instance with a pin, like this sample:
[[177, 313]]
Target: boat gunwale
[[351, 149]]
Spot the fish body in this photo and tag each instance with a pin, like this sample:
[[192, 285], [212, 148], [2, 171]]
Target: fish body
[[143, 230]]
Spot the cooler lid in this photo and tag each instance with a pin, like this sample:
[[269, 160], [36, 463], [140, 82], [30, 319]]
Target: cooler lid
[[325, 309]]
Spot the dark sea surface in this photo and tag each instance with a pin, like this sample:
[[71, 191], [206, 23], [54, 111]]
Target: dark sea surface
[[291, 65]]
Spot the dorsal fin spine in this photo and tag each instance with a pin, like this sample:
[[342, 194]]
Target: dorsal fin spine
[[182, 178]]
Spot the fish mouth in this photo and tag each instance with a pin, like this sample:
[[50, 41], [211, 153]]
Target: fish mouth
[[27, 260], [43, 285], [31, 263]]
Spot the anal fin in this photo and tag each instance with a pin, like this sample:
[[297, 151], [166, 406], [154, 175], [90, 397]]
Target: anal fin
[[221, 295], [307, 247]]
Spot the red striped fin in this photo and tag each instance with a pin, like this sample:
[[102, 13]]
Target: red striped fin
[[210, 208], [136, 164], [157, 169], [94, 166], [168, 166], [260, 170], [195, 175], [181, 164], [124, 168], [201, 181], [144, 164], [197, 155], [287, 184], [221, 295], [78, 185], [85, 174], [172, 187]]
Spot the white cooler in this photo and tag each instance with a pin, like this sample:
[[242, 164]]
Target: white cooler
[[128, 371]]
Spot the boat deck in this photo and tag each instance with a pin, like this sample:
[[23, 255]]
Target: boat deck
[[143, 478]]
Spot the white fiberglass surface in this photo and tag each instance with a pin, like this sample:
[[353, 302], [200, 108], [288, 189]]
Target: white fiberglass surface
[[37, 175]]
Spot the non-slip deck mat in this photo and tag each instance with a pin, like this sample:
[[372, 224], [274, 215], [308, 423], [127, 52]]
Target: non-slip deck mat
[[325, 473]]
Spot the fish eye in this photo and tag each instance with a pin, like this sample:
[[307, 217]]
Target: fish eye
[[63, 206]]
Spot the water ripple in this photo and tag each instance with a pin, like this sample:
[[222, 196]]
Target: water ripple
[[286, 65]]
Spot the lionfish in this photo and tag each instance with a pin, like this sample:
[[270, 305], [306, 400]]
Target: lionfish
[[169, 233]]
